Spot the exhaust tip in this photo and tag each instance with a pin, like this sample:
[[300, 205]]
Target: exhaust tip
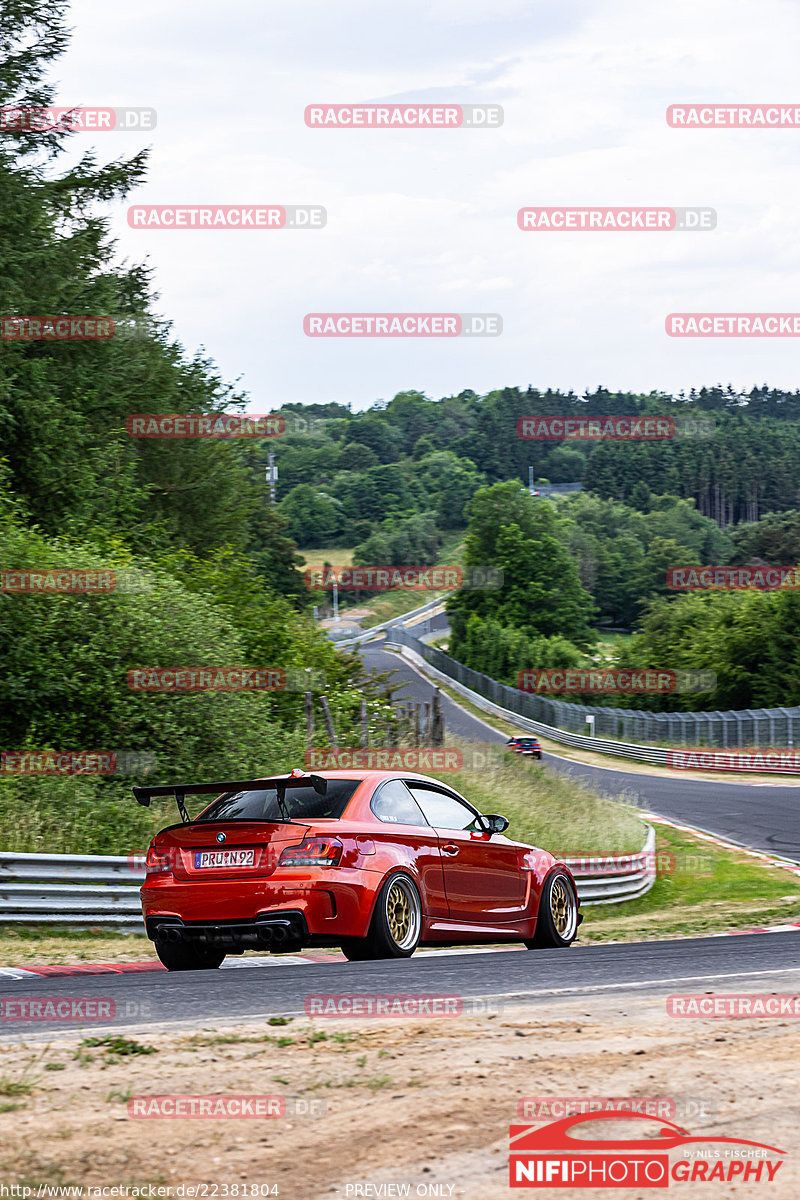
[[168, 933], [265, 934], [280, 933]]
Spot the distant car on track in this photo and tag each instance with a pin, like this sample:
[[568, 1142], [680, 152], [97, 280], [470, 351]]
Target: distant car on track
[[375, 862], [527, 746]]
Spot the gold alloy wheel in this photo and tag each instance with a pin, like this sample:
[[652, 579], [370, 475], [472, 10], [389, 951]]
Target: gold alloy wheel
[[403, 913], [398, 913], [562, 907]]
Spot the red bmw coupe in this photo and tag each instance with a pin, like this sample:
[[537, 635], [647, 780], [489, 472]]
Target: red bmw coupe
[[374, 862]]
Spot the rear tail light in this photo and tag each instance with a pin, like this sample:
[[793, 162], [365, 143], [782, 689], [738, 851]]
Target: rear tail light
[[156, 863], [312, 852]]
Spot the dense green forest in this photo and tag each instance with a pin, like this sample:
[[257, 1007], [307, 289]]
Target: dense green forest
[[188, 521], [565, 563], [352, 474], [220, 568], [393, 480]]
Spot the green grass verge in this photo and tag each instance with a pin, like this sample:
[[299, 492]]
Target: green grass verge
[[395, 604], [548, 810], [702, 889], [34, 945], [316, 556]]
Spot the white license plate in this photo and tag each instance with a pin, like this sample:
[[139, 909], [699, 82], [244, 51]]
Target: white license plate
[[224, 858]]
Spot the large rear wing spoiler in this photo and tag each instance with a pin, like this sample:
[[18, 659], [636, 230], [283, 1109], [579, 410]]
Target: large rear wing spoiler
[[145, 794]]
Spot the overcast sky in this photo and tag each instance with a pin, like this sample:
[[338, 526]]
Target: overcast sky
[[425, 220]]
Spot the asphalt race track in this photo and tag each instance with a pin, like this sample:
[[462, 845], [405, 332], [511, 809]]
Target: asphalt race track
[[758, 816], [764, 962], [761, 817]]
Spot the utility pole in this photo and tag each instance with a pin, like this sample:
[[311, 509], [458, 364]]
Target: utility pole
[[272, 477]]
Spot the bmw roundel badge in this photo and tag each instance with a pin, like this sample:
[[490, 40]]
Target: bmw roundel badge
[[220, 837]]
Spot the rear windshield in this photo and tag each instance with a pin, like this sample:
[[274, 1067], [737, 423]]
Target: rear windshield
[[301, 803]]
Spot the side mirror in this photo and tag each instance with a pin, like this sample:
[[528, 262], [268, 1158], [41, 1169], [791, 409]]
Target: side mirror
[[495, 823]]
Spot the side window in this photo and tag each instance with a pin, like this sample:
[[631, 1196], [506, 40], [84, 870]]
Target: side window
[[443, 810], [393, 802]]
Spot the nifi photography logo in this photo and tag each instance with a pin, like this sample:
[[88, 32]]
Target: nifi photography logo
[[565, 1154]]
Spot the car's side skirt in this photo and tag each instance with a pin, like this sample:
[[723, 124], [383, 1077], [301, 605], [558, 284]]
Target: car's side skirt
[[463, 931]]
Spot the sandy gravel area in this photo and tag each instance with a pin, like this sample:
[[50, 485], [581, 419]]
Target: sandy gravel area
[[424, 1103]]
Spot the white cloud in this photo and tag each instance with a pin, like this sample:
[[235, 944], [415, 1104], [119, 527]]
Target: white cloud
[[426, 220]]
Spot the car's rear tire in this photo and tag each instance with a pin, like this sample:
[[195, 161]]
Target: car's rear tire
[[557, 922], [396, 925], [177, 957], [355, 949]]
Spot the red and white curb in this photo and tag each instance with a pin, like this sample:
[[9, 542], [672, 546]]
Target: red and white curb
[[150, 966], [292, 960], [297, 960], [770, 862]]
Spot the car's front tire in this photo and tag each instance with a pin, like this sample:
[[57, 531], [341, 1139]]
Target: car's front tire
[[396, 925], [177, 957], [557, 922]]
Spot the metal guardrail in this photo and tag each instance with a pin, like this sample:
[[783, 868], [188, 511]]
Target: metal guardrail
[[648, 754], [70, 889], [394, 623], [561, 721], [612, 880], [95, 889]]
